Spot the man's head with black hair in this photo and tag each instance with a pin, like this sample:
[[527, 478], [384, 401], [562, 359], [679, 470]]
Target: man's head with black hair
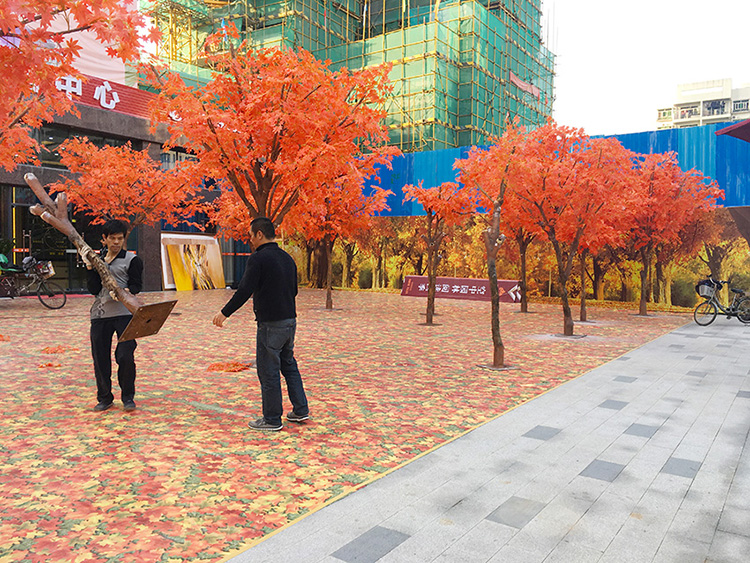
[[265, 226], [114, 226]]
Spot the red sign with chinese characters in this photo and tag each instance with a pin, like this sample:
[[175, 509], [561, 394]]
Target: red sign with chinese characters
[[103, 94], [462, 288]]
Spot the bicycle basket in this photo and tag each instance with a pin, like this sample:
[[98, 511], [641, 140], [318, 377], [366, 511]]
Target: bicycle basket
[[44, 269], [705, 288]]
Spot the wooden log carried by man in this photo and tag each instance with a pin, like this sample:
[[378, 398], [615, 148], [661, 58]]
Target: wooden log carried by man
[[147, 319]]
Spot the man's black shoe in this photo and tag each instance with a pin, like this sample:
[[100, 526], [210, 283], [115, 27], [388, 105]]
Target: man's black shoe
[[102, 406], [261, 424], [128, 406], [294, 417]]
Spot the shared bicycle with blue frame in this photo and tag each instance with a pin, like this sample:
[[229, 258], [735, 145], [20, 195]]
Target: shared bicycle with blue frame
[[707, 311]]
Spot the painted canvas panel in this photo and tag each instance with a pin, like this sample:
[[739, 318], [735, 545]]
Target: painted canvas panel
[[196, 266]]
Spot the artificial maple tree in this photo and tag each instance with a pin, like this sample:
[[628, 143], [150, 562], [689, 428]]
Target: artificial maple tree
[[444, 205], [668, 198], [271, 125], [121, 183], [571, 192], [39, 44], [338, 210], [489, 172]]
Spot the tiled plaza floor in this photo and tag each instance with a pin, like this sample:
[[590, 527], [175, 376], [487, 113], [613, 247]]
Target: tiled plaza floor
[[183, 479]]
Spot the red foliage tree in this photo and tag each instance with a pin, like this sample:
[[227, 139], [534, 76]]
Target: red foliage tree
[[444, 205], [571, 192], [667, 199], [273, 124], [490, 171], [336, 211], [38, 46], [121, 183]]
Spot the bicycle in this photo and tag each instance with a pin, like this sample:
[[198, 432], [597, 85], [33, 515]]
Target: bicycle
[[705, 313], [49, 293]]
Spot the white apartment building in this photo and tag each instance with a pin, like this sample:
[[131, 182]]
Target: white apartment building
[[701, 103]]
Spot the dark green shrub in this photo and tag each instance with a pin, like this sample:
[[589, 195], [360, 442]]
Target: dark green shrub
[[683, 292], [364, 279]]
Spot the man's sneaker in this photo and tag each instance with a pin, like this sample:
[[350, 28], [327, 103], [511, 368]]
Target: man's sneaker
[[261, 424], [102, 406], [128, 406], [294, 417]]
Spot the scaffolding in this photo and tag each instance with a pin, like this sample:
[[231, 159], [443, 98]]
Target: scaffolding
[[460, 68]]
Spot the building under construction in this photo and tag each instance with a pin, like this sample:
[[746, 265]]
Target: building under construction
[[460, 68]]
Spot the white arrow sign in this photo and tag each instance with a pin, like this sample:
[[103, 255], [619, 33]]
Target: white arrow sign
[[515, 293]]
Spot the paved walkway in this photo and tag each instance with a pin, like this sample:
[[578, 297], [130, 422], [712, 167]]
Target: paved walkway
[[642, 459]]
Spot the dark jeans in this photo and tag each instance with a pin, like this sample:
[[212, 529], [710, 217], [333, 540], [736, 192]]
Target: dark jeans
[[102, 331], [274, 353]]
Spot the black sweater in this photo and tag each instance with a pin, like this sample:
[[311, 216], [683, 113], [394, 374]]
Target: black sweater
[[271, 279]]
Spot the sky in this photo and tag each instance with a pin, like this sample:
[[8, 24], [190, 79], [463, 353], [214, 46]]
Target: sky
[[618, 62]]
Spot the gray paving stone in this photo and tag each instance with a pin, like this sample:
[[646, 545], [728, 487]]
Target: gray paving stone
[[696, 358], [516, 512], [370, 546], [681, 467], [602, 470], [642, 430], [735, 520], [681, 549], [478, 544], [614, 405], [623, 359], [542, 432], [625, 379], [729, 548], [567, 552], [743, 394]]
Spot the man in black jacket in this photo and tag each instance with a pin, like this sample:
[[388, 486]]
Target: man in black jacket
[[109, 316], [270, 278]]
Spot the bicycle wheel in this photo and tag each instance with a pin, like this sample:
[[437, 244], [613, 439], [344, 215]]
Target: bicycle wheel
[[743, 311], [51, 295], [705, 313]]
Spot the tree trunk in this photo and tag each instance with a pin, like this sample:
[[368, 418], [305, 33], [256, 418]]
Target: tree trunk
[[350, 250], [329, 272], [661, 290], [598, 279], [523, 245], [645, 281], [668, 284], [582, 315], [568, 324], [492, 243], [309, 249], [320, 265], [431, 275]]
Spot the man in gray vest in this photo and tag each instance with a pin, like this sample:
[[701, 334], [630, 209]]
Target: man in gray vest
[[109, 316]]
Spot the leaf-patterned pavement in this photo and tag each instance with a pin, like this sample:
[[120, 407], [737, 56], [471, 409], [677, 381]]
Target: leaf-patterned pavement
[[183, 479]]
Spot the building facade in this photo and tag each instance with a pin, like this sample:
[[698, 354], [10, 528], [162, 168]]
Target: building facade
[[703, 103], [460, 68]]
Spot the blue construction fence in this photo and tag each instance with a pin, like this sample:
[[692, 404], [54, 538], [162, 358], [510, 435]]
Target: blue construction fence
[[720, 157]]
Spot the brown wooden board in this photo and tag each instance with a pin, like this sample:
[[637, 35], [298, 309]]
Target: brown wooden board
[[147, 320]]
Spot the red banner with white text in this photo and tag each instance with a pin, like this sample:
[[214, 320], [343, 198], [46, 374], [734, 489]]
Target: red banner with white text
[[462, 288]]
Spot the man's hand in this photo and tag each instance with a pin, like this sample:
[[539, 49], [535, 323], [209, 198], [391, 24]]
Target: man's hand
[[219, 319]]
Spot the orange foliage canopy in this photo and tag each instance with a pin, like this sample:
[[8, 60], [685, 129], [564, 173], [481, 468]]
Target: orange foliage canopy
[[122, 183], [340, 210], [274, 124], [449, 202], [37, 46], [668, 198]]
